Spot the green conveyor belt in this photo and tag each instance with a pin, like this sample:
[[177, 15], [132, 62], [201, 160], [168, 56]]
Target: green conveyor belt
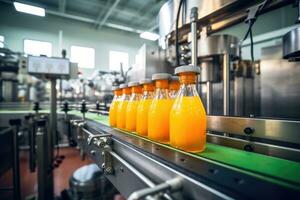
[[280, 171]]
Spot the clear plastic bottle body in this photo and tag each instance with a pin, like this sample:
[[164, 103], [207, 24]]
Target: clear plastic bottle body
[[173, 94], [188, 117], [173, 89], [114, 108], [158, 115], [143, 109], [131, 110], [121, 111]]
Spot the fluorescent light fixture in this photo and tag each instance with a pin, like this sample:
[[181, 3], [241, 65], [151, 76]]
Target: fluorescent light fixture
[[33, 10], [149, 36]]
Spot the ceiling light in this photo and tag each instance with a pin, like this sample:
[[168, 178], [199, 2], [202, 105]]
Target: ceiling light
[[34, 10], [149, 36]]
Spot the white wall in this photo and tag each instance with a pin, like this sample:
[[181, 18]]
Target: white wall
[[16, 27]]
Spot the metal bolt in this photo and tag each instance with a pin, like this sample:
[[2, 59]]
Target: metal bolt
[[248, 147], [121, 169], [103, 166], [108, 169], [93, 152], [108, 141], [103, 153], [249, 130], [100, 143]]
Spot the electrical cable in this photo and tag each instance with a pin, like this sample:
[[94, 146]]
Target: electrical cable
[[251, 22], [251, 47]]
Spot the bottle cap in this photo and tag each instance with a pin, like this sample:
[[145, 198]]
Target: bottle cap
[[175, 78], [146, 81], [115, 87], [133, 83], [124, 85], [161, 76], [187, 68]]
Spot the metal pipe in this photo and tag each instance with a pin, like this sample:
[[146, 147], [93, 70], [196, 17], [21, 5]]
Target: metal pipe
[[194, 17], [194, 46], [108, 13], [16, 165], [31, 135], [170, 186], [42, 162], [52, 132], [226, 84], [209, 97]]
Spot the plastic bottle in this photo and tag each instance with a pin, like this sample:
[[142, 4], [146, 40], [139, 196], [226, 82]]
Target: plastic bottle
[[136, 95], [159, 110], [188, 116], [114, 106], [143, 107], [174, 86], [121, 112]]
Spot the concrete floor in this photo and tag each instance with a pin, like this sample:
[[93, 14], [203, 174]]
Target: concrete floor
[[29, 180]]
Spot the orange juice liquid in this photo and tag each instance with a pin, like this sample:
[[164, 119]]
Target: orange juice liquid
[[158, 120], [131, 115], [121, 114], [188, 124], [113, 113], [142, 117]]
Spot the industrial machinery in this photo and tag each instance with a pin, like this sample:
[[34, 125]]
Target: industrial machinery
[[253, 146]]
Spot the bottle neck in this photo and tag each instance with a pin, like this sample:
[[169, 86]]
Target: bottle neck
[[148, 87], [136, 89], [125, 97], [174, 85], [161, 93], [188, 90], [118, 92], [162, 84], [126, 91], [173, 94], [187, 78], [148, 95]]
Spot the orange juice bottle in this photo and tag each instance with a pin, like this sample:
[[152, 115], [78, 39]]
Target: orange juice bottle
[[188, 116], [114, 106], [136, 94], [174, 86], [121, 112], [143, 107], [159, 110]]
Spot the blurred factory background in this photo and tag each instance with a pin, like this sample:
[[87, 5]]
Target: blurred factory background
[[248, 52], [102, 36]]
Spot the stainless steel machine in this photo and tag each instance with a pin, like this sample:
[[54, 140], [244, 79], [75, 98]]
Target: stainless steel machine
[[253, 145], [225, 85]]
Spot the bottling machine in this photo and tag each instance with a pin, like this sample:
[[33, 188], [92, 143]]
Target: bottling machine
[[253, 144]]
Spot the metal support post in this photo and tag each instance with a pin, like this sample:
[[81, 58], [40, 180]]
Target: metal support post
[[31, 137], [52, 136], [16, 162], [42, 162], [209, 97], [226, 84], [194, 45]]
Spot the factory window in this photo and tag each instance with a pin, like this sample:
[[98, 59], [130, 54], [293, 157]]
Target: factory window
[[116, 58], [1, 41], [37, 48], [84, 56]]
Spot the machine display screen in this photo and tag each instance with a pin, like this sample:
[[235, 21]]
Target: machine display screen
[[48, 66]]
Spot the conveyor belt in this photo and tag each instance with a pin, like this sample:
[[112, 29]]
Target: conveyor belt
[[279, 171]]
